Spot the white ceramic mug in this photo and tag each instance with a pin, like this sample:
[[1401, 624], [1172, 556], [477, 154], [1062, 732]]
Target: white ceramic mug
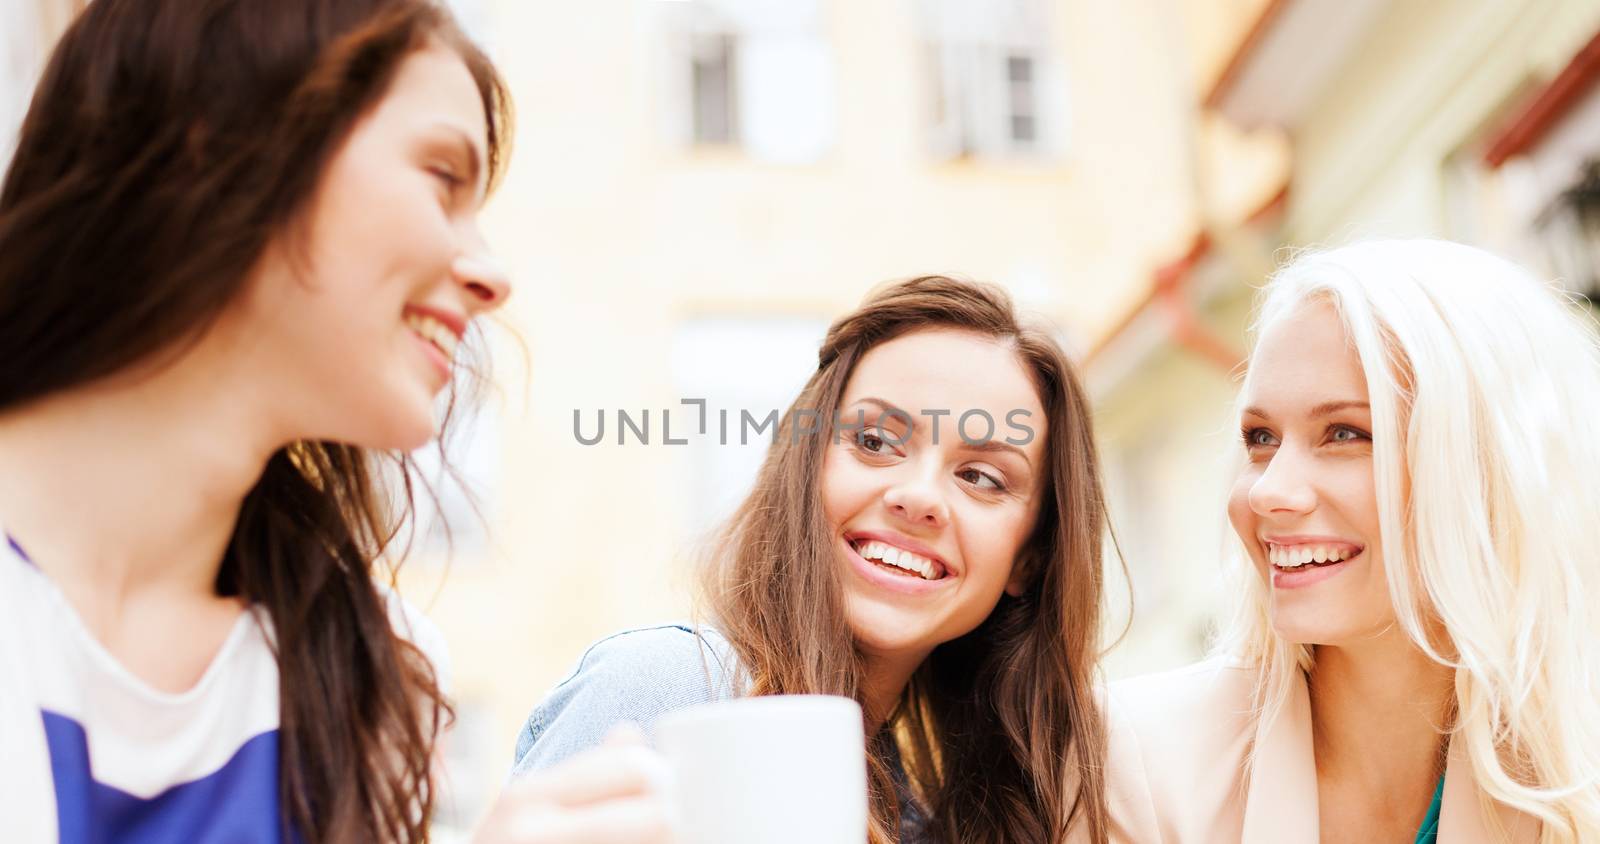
[[782, 769]]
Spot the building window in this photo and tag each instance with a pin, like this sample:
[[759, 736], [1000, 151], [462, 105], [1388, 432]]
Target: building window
[[745, 368], [1569, 232], [755, 75], [713, 92], [1540, 205], [1023, 100], [989, 79]]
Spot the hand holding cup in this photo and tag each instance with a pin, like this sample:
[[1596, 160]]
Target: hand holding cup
[[614, 794]]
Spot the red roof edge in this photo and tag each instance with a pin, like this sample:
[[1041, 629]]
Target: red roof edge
[[1524, 131], [1241, 53]]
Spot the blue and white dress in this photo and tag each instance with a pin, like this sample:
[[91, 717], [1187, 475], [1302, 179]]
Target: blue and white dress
[[91, 754]]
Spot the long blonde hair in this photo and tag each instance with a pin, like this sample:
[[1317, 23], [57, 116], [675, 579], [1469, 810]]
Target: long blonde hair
[[1485, 394], [998, 729]]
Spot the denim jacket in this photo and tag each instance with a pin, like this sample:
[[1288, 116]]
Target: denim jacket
[[639, 675]]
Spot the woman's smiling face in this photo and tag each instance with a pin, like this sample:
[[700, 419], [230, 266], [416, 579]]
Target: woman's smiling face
[[1305, 504], [360, 321], [928, 522]]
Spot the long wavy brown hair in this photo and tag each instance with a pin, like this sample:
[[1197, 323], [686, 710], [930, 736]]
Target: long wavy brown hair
[[999, 731], [167, 143]]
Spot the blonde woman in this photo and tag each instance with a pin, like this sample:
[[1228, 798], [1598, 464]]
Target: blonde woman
[[1416, 654]]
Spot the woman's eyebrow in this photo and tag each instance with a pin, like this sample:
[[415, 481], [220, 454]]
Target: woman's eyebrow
[[886, 406], [1327, 408], [991, 446], [988, 446]]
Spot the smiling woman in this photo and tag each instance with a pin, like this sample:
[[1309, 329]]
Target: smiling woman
[[950, 584], [239, 258], [238, 249], [1417, 638]]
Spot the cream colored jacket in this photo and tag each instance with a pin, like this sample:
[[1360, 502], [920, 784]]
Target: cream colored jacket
[[1178, 742]]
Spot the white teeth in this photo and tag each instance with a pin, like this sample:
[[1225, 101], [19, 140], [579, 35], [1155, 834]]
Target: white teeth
[[1300, 555], [434, 332], [897, 557]]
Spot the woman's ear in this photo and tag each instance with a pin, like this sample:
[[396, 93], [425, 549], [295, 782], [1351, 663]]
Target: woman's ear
[[1021, 568]]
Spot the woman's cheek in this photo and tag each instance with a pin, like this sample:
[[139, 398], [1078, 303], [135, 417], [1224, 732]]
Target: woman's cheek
[[841, 484], [1239, 513]]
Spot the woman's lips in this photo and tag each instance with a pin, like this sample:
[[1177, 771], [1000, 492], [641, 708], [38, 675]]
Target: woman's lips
[[878, 575], [435, 356]]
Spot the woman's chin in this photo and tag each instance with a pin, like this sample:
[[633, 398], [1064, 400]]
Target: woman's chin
[[405, 427], [879, 630], [1295, 629]]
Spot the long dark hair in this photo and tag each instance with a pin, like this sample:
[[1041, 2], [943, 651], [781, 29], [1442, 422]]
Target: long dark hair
[[168, 142], [999, 730]]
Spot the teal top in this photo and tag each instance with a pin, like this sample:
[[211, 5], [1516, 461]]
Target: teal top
[[1429, 833]]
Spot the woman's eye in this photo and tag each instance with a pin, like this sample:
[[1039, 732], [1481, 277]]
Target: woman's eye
[[981, 480], [870, 443], [448, 178], [1259, 438], [1342, 434]]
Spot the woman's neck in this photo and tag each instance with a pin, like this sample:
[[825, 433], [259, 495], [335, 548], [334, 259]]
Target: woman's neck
[[1379, 710], [132, 484], [886, 679]]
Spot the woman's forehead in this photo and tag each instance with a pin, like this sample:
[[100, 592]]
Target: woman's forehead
[[1304, 355], [934, 368]]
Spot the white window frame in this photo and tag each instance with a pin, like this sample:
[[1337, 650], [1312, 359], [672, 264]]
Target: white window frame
[[780, 101], [754, 363], [1528, 207], [973, 100]]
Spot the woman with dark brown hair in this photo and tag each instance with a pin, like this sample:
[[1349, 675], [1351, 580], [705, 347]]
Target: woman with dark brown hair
[[238, 252], [924, 537]]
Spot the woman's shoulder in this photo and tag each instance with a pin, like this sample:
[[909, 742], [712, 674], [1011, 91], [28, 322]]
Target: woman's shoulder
[[1214, 685], [1177, 742], [659, 653], [634, 676], [1199, 710]]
